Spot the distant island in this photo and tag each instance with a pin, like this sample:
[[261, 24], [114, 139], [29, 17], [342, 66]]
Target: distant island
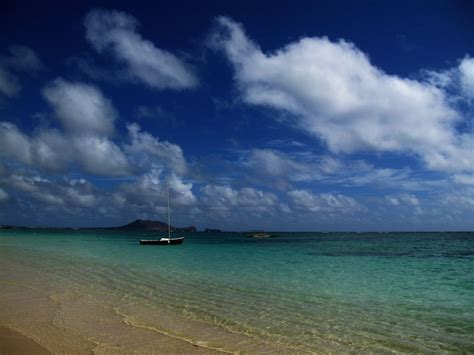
[[142, 224], [137, 225]]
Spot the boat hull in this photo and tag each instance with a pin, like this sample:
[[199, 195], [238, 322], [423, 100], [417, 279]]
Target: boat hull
[[163, 241], [260, 236]]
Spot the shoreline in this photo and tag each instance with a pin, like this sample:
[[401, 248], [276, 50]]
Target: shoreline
[[52, 329], [73, 295], [60, 315]]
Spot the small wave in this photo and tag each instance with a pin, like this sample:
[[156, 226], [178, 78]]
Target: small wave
[[126, 319]]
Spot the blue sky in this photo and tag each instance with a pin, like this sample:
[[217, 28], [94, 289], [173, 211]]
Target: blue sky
[[319, 116]]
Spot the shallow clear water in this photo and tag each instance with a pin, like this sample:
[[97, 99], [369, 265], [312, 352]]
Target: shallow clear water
[[403, 292]]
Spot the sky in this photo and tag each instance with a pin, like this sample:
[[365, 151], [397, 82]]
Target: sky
[[309, 116]]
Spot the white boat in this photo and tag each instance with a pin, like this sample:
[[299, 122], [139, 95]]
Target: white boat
[[164, 240], [260, 235]]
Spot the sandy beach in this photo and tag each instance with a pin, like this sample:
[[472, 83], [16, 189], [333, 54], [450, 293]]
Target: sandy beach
[[44, 314], [96, 292], [40, 318], [12, 343], [38, 324]]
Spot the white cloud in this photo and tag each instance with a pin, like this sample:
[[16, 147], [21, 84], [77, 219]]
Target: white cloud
[[457, 80], [3, 195], [115, 32], [273, 162], [148, 151], [61, 199], [86, 116], [460, 201], [20, 59], [9, 84], [336, 94], [14, 144], [182, 192], [282, 170], [464, 179], [402, 199], [81, 108], [65, 193], [275, 168], [148, 194], [100, 156], [325, 202], [51, 151], [225, 200], [466, 69]]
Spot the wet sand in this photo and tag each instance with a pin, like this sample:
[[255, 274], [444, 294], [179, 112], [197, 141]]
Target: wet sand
[[49, 330], [13, 343], [52, 321], [68, 315]]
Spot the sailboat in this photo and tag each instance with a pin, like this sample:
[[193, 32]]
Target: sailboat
[[164, 241]]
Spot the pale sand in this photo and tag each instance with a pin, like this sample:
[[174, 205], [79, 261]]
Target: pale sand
[[67, 315], [48, 330], [61, 324], [14, 343]]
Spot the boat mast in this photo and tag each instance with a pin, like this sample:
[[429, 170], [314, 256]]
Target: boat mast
[[169, 227]]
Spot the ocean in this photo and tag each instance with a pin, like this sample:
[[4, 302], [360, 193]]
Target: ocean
[[298, 292]]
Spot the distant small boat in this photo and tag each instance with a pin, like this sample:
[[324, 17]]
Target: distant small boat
[[260, 235], [164, 241]]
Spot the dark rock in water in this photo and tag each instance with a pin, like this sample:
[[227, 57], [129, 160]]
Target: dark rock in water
[[209, 230], [141, 224]]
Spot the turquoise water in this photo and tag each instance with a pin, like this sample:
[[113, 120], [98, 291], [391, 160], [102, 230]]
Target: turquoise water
[[402, 292]]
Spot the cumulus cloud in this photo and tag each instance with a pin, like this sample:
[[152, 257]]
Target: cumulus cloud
[[14, 144], [116, 32], [464, 179], [277, 169], [459, 80], [20, 59], [273, 162], [335, 93], [144, 197], [148, 151], [325, 202], [87, 119], [225, 200], [53, 152], [70, 193], [81, 108], [100, 156], [147, 195], [466, 69], [402, 199], [3, 195]]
